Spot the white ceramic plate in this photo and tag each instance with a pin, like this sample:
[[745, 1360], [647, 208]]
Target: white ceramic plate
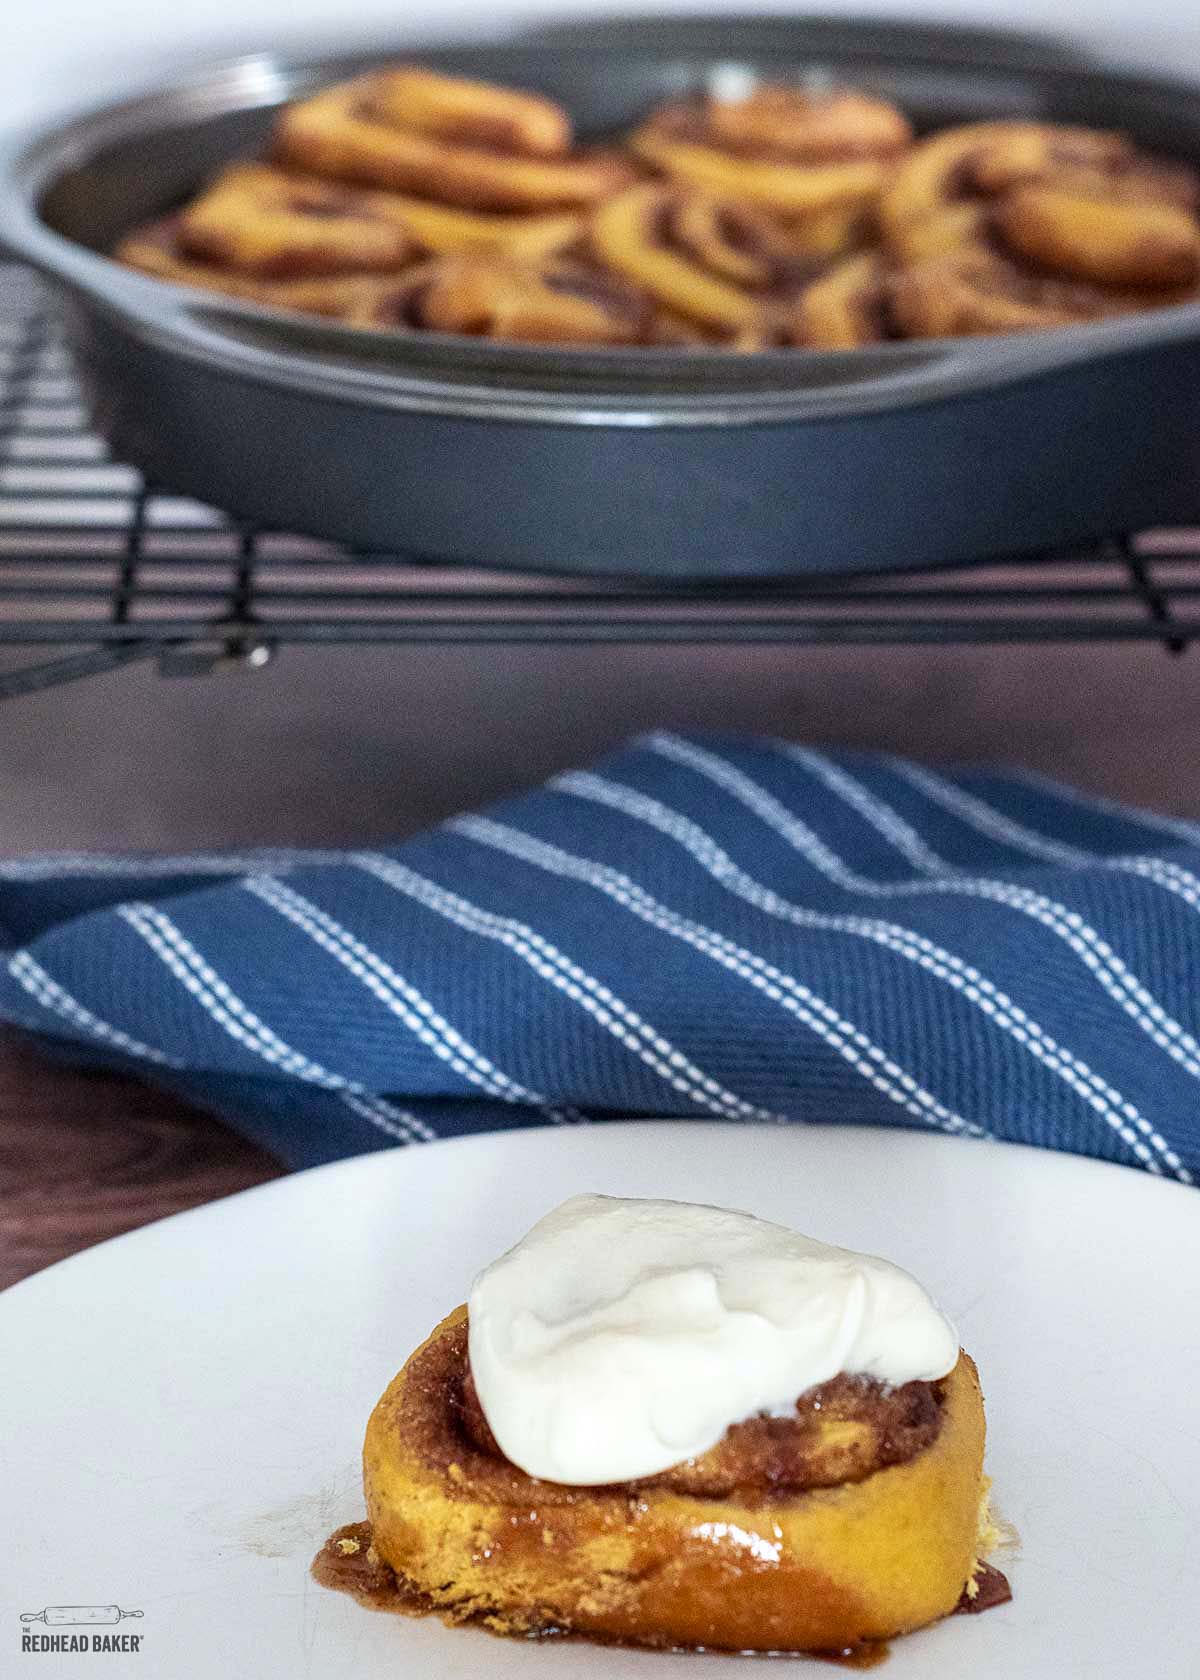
[[183, 1408]]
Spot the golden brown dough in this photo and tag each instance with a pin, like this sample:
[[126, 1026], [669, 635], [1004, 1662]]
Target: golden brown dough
[[766, 1568], [845, 308], [268, 224], [1109, 241], [789, 189], [493, 296], [831, 126], [155, 249], [717, 264], [461, 143], [1068, 203]]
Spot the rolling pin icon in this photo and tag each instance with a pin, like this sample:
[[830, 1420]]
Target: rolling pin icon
[[79, 1615]]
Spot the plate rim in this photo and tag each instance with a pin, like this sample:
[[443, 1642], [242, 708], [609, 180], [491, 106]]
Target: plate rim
[[528, 1136]]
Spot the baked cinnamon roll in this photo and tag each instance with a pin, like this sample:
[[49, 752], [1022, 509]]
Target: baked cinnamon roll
[[265, 223], [557, 301], [723, 266], [456, 142], [793, 153], [158, 250], [855, 1512], [973, 292], [1110, 241], [1076, 203], [155, 248]]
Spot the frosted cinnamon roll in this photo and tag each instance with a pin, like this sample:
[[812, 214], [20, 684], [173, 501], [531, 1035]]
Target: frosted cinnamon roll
[[1077, 203], [611, 1442], [454, 141], [794, 153]]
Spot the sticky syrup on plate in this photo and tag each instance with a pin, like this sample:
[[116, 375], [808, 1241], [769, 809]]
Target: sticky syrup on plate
[[349, 1563]]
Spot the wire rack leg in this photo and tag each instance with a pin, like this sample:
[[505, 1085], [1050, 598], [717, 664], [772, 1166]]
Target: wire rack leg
[[1152, 597]]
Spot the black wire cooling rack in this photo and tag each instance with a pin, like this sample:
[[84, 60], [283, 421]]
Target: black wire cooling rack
[[104, 569]]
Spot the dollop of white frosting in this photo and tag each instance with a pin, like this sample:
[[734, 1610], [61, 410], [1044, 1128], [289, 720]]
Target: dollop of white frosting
[[622, 1337]]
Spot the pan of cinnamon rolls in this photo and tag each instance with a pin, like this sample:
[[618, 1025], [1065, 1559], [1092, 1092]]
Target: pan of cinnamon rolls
[[711, 299]]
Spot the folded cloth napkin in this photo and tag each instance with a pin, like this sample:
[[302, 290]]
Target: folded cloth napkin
[[697, 926]]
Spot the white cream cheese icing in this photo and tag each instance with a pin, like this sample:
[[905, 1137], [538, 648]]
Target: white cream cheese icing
[[621, 1337]]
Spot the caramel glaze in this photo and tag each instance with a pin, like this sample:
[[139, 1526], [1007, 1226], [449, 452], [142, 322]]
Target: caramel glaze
[[442, 1419], [349, 1563]]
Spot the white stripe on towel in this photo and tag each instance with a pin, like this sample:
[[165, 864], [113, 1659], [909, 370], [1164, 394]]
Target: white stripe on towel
[[395, 993], [976, 812], [550, 964], [1114, 1109], [30, 974], [1106, 967], [229, 1012], [856, 1049]]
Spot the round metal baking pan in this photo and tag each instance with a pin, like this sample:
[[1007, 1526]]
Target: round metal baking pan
[[646, 462]]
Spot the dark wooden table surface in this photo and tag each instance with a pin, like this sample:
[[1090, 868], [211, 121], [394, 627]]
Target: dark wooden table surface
[[86, 1156]]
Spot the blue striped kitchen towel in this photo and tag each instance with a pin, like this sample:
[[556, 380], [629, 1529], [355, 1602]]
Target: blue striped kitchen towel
[[696, 927]]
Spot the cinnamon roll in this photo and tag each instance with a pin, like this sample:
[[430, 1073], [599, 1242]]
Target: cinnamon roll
[[158, 250], [1106, 240], [601, 1444], [717, 264], [155, 248], [1074, 203], [855, 1520], [265, 223], [492, 296], [793, 153], [974, 292], [456, 142]]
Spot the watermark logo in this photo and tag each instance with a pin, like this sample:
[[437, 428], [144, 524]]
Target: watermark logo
[[79, 1627]]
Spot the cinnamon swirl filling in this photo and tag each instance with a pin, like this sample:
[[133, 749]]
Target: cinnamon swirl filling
[[843, 1431], [718, 264], [847, 307]]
